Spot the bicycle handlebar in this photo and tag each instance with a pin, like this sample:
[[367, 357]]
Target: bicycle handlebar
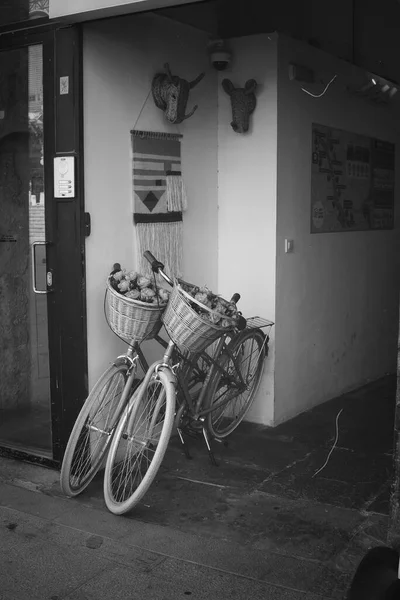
[[241, 322], [116, 268], [157, 266]]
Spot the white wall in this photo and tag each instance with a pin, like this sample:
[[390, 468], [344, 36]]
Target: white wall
[[121, 56], [247, 196], [337, 294]]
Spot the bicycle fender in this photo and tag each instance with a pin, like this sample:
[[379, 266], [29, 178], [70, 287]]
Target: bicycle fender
[[169, 374]]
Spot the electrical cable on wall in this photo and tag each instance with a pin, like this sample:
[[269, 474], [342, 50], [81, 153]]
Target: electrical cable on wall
[[322, 93]]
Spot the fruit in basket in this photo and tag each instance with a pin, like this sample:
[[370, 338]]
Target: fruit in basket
[[219, 307], [118, 276], [123, 285], [132, 276], [187, 287], [214, 317], [133, 294], [143, 282], [203, 298], [163, 294], [135, 286], [147, 295]]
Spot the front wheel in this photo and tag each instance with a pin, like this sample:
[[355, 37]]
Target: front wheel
[[92, 431], [139, 443], [232, 391]]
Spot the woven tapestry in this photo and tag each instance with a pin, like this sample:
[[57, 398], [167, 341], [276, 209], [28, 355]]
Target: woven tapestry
[[158, 198]]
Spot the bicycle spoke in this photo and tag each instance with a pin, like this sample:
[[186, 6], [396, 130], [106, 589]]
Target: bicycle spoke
[[140, 440], [92, 431], [95, 429], [233, 391]]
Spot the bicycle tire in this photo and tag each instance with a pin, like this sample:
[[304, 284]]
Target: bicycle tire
[[251, 345], [84, 454], [195, 369], [147, 422]]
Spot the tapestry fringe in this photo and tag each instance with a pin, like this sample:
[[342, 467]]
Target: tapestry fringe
[[164, 240], [156, 135], [176, 193]]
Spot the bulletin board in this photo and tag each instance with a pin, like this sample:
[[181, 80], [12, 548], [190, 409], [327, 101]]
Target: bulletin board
[[352, 181]]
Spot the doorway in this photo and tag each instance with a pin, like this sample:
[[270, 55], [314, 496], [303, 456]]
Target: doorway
[[25, 410], [42, 307]]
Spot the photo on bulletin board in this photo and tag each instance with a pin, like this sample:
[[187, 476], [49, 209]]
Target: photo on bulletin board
[[352, 181]]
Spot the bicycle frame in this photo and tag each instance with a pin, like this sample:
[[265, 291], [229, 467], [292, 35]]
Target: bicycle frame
[[195, 407]]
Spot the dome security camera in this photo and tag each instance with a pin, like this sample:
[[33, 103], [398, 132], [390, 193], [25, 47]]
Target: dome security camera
[[220, 60]]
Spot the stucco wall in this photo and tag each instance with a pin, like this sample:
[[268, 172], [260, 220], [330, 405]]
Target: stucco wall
[[121, 57], [247, 196], [337, 294]]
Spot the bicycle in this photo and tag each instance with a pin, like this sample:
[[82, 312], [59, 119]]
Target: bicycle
[[93, 429], [141, 437]]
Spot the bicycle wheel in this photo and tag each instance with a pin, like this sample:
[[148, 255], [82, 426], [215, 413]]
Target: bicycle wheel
[[229, 393], [195, 368], [92, 431], [139, 443]]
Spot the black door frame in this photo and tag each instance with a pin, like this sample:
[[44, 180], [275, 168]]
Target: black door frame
[[66, 300]]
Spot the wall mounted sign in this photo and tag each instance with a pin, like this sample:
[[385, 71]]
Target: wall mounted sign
[[352, 181], [64, 85], [8, 238]]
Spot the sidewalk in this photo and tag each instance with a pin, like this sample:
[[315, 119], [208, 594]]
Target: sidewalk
[[261, 525]]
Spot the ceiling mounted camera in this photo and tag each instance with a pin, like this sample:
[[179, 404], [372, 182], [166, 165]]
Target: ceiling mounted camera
[[220, 56]]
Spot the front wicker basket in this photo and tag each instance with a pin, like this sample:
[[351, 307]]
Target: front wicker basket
[[132, 320], [186, 328]]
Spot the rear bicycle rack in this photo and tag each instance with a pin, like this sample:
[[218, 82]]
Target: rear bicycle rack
[[258, 323]]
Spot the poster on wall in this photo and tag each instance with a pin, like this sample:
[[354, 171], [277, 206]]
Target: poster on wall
[[352, 181]]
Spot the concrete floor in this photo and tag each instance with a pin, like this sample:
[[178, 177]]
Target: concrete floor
[[262, 524]]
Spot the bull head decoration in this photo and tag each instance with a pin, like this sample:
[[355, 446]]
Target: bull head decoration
[[243, 101], [171, 94]]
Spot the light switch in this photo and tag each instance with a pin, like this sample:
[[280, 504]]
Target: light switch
[[288, 246]]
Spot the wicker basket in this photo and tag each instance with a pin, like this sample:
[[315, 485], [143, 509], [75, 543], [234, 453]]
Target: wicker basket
[[132, 320], [186, 328]]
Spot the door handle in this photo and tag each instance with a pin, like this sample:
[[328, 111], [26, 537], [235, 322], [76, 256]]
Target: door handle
[[34, 244]]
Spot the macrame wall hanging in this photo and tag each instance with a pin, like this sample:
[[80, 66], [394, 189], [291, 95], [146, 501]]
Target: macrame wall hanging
[[158, 198]]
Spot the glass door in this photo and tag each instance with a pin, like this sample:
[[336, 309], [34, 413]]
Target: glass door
[[25, 406]]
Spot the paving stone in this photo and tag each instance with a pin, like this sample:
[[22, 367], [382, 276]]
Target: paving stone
[[176, 581], [348, 479], [31, 568], [34, 502]]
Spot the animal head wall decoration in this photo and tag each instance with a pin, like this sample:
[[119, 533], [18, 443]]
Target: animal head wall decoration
[[171, 94], [243, 101]]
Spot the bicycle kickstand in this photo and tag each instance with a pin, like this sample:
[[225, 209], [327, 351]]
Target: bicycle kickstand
[[184, 444], [210, 452]]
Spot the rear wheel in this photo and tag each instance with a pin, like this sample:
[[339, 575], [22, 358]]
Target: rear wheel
[[196, 368], [232, 394], [139, 443], [92, 431]]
